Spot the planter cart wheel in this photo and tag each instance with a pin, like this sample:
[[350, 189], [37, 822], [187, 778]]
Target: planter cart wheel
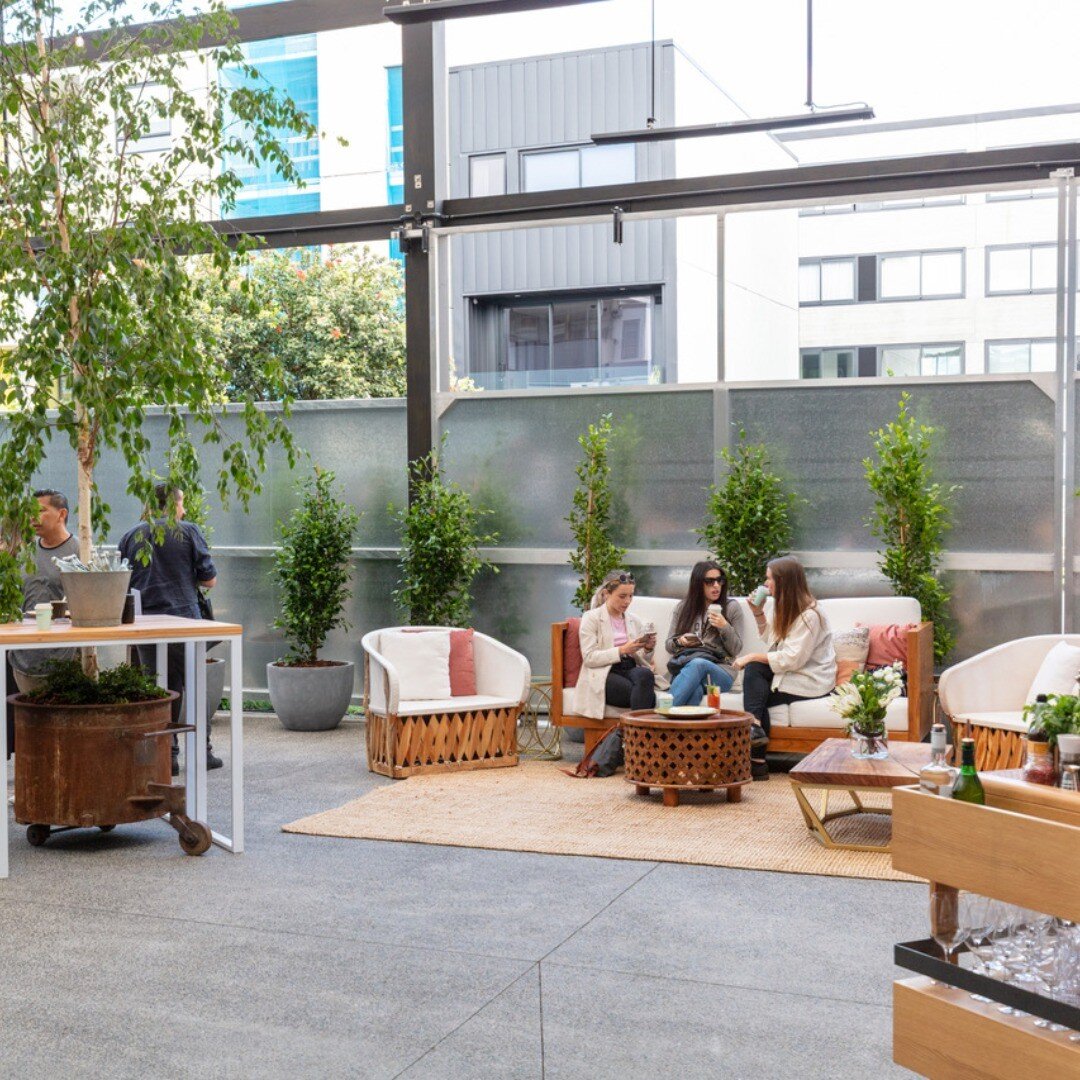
[[37, 834], [106, 828], [194, 837]]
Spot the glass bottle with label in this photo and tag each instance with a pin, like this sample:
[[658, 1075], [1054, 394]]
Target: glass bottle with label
[[938, 776]]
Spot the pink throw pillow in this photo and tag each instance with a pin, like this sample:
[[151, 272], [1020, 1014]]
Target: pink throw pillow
[[888, 643], [845, 669], [572, 652], [462, 664]]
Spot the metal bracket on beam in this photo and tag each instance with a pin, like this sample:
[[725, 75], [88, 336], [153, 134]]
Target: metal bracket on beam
[[412, 235], [617, 225]]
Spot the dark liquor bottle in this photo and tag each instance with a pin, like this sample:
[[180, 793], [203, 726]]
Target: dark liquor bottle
[[968, 787]]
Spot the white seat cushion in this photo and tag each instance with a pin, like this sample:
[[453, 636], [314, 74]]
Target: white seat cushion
[[816, 713], [422, 663], [610, 712], [418, 706], [1010, 720]]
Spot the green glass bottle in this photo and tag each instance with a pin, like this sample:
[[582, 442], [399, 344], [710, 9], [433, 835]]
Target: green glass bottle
[[968, 787]]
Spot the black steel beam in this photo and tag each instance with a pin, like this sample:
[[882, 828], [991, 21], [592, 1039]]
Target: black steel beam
[[423, 76], [419, 11], [262, 22], [318, 227], [733, 127], [859, 179]]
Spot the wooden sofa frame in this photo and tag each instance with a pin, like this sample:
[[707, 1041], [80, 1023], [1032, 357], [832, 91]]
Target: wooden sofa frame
[[797, 740]]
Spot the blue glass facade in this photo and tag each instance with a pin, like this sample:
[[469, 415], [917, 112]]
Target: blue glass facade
[[289, 65], [395, 154]]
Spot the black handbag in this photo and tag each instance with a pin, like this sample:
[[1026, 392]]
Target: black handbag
[[206, 607], [680, 660]]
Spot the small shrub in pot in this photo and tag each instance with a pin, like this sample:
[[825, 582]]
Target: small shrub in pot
[[311, 569]]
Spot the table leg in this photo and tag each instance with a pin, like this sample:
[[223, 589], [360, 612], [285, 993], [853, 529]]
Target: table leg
[[734, 794], [198, 695], [3, 768], [236, 748], [162, 657], [671, 796], [642, 789], [817, 824], [191, 763]]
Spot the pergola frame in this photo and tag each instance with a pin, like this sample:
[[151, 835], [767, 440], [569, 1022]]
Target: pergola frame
[[429, 213]]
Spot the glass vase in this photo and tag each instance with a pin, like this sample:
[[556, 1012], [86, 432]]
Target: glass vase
[[869, 747]]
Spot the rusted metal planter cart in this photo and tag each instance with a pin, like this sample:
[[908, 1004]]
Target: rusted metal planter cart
[[123, 772], [57, 788]]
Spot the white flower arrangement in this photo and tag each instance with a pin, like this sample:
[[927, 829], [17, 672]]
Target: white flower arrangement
[[864, 700]]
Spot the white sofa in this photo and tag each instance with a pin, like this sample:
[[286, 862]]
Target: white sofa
[[805, 724], [984, 697], [408, 735]]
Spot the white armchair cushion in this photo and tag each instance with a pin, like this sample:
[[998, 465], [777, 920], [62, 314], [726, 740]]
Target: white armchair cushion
[[422, 663], [1011, 720], [461, 703], [1058, 672]]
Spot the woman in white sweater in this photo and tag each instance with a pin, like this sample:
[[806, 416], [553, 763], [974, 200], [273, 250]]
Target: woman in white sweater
[[800, 663]]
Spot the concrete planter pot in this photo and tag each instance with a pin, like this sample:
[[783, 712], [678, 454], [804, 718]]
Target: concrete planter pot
[[310, 698], [96, 598], [215, 684]]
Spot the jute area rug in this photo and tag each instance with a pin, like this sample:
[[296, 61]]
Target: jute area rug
[[536, 807]]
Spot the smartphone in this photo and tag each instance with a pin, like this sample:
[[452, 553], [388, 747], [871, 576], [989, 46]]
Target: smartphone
[[693, 639]]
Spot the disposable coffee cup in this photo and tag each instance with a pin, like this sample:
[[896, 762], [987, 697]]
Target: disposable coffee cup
[[715, 609], [759, 596], [43, 615]]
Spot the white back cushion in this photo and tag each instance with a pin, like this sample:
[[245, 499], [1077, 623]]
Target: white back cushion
[[842, 613], [422, 662], [1058, 672]]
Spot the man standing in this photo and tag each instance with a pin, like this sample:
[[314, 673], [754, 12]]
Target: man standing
[[180, 564], [53, 541]]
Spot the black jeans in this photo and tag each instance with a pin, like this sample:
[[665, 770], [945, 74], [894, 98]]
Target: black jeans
[[630, 686], [11, 689], [758, 695]]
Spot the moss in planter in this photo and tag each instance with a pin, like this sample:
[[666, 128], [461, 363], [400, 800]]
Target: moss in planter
[[67, 684]]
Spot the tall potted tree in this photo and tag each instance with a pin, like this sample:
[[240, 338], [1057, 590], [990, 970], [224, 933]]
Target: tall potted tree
[[95, 235], [311, 568]]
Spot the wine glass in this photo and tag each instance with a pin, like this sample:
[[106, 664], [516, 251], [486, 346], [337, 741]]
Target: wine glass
[[945, 922], [978, 918]]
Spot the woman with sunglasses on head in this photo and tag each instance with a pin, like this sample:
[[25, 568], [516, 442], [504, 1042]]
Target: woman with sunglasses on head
[[705, 636], [801, 661], [614, 669]]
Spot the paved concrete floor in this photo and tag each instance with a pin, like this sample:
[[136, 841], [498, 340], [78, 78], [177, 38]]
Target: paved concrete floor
[[315, 957]]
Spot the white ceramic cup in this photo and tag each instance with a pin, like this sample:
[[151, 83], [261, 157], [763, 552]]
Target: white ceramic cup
[[43, 615]]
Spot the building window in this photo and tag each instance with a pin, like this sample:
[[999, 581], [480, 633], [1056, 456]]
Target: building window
[[873, 205], [1023, 193], [1021, 268], [574, 340], [827, 281], [487, 174], [921, 275], [289, 66], [921, 359], [395, 148], [578, 166], [1033, 354], [828, 363], [152, 99]]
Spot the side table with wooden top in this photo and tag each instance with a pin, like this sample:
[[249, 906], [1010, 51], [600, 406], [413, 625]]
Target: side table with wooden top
[[832, 768], [687, 755]]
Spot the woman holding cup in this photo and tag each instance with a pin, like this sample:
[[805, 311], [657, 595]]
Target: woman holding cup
[[704, 637], [801, 661], [615, 644]]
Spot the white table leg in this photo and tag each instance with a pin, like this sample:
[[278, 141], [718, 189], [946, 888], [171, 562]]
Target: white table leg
[[190, 744], [236, 747], [162, 665], [3, 767], [199, 695]]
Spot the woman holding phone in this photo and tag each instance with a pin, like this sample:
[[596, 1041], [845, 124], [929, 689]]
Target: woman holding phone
[[616, 669], [801, 661], [705, 635]]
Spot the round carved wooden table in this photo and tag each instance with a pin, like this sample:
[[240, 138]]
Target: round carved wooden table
[[687, 755]]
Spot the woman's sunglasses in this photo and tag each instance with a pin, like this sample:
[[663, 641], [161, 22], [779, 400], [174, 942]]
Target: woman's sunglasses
[[714, 581]]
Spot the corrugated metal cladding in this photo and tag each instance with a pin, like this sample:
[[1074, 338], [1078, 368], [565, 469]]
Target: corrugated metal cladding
[[539, 102]]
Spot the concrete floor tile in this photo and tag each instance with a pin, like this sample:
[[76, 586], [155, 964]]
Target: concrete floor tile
[[756, 929], [600, 1024], [503, 1040]]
